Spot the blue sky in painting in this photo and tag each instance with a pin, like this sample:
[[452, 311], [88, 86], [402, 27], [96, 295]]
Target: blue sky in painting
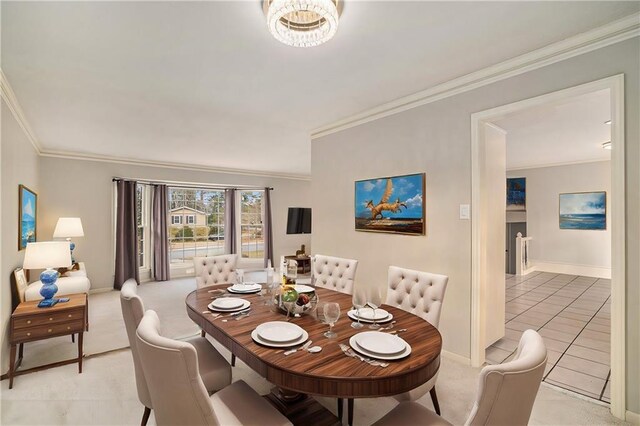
[[407, 188], [583, 203]]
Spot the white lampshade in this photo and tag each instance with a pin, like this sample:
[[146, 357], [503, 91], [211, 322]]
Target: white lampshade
[[48, 254], [68, 227]]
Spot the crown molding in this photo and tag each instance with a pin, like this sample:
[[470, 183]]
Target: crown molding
[[606, 35], [10, 99], [169, 165], [517, 167]]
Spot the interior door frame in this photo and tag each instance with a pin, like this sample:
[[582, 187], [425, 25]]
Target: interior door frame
[[618, 225]]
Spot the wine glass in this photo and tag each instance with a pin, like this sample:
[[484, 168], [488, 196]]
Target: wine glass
[[359, 301], [374, 300], [331, 315], [239, 276]]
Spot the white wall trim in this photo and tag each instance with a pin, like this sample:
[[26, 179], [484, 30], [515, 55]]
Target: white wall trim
[[561, 164], [618, 248], [633, 418], [572, 269], [169, 165], [10, 99], [458, 358], [614, 32]]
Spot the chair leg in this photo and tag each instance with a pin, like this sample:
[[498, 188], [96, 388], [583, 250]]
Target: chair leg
[[145, 416], [350, 411], [340, 408], [233, 360], [202, 333], [73, 338], [434, 399]]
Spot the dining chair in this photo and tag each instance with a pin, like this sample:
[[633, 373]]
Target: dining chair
[[214, 369], [506, 392], [171, 369], [420, 293], [212, 270], [334, 273]]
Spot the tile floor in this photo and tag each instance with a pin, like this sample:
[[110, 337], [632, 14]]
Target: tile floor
[[572, 313]]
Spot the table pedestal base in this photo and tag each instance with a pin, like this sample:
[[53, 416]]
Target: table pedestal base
[[301, 409]]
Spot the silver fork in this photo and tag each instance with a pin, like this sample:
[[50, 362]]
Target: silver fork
[[350, 352]]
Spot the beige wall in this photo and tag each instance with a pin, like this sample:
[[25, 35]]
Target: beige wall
[[436, 139], [566, 246], [19, 166], [84, 189]]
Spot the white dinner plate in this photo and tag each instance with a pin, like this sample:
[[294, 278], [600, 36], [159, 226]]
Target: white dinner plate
[[301, 288], [258, 339], [352, 314], [279, 331], [357, 348], [244, 289], [368, 314], [380, 343], [227, 303], [245, 304]]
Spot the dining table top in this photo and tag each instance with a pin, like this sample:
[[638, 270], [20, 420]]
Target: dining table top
[[329, 372]]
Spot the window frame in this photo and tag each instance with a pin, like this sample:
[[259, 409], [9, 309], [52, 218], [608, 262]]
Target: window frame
[[145, 215], [249, 261], [190, 219]]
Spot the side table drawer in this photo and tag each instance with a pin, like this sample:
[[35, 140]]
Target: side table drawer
[[48, 330], [47, 319]]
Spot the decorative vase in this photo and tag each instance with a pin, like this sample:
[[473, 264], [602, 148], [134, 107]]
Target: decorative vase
[[48, 277]]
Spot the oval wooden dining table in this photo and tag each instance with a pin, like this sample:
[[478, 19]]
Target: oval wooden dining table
[[329, 373]]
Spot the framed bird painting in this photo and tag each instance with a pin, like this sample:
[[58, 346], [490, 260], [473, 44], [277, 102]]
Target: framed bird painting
[[392, 204]]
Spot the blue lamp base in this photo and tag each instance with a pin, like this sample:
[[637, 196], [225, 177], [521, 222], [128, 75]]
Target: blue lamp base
[[49, 287]]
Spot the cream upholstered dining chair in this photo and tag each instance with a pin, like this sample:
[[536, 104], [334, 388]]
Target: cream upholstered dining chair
[[334, 273], [420, 293], [506, 392], [178, 394], [214, 369], [215, 269]]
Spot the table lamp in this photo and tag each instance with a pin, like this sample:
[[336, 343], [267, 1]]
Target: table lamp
[[68, 227], [49, 255]]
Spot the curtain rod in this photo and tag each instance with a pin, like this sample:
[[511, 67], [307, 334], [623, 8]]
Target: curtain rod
[[188, 185]]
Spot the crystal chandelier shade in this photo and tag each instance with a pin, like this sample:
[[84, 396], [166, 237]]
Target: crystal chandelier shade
[[302, 23]]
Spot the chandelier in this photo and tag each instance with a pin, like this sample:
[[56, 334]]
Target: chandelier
[[302, 23]]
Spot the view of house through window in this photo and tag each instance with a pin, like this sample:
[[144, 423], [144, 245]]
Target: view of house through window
[[251, 227], [196, 225]]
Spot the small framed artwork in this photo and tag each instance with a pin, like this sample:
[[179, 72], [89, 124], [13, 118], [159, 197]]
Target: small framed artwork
[[27, 216], [393, 204], [516, 194], [583, 210]]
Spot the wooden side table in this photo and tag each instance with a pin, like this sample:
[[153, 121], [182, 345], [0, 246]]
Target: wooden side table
[[304, 262], [30, 323]]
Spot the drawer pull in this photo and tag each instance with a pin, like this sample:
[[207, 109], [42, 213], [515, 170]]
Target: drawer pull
[[28, 334], [50, 319], [49, 330], [68, 328], [69, 315], [28, 321]]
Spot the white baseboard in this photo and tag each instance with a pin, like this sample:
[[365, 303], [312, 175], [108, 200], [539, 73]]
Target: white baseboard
[[633, 418], [459, 358], [572, 269], [100, 290]]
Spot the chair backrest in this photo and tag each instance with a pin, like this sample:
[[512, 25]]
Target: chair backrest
[[21, 283], [506, 392], [132, 313], [215, 269], [420, 293], [171, 369], [334, 273]]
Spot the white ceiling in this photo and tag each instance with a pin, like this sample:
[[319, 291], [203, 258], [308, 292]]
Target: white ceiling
[[567, 132], [204, 83]]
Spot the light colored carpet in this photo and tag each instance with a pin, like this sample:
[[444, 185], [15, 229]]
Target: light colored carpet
[[105, 393], [106, 328]]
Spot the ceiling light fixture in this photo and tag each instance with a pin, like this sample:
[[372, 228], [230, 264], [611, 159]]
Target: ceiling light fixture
[[302, 23], [606, 145]]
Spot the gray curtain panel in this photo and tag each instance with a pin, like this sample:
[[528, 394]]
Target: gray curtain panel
[[268, 228], [230, 221], [159, 212], [126, 234]]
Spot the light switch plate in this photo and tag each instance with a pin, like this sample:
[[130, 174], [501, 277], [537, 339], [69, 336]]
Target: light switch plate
[[465, 211]]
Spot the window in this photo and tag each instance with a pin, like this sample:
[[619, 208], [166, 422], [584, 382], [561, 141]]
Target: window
[[141, 222], [201, 233], [251, 227]]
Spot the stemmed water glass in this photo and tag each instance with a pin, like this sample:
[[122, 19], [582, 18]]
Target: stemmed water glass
[[331, 315], [239, 276], [359, 301], [374, 300]]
